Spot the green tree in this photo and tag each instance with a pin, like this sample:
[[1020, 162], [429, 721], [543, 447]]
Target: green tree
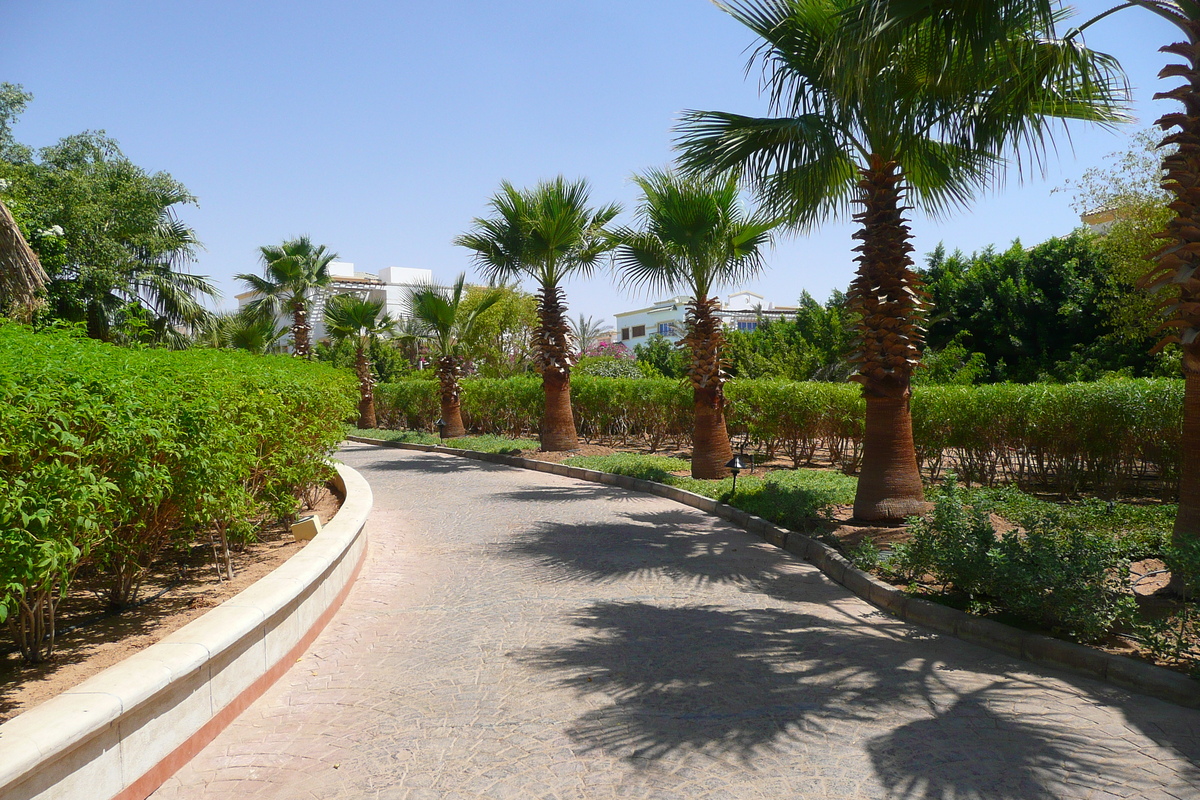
[[813, 345], [293, 272], [1128, 191], [349, 317], [695, 237], [1042, 313], [451, 328], [547, 234], [896, 120], [108, 235], [658, 356], [503, 342]]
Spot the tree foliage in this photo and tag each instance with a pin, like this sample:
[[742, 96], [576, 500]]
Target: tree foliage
[[110, 239], [1051, 312]]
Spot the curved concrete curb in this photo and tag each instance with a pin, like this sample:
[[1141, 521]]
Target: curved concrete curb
[[1121, 671], [121, 733]]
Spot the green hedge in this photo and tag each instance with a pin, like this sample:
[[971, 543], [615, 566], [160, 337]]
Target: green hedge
[[109, 455], [1110, 436]]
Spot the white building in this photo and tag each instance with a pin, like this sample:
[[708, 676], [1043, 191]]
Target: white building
[[391, 285], [740, 311]]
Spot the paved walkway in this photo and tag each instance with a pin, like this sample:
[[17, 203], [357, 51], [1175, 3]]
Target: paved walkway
[[521, 635]]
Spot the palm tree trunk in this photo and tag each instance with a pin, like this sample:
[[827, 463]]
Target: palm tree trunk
[[887, 298], [1178, 263], [553, 357], [300, 330], [366, 389], [21, 275], [448, 370], [710, 437]]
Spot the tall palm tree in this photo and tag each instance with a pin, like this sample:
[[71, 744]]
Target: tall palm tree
[[585, 333], [547, 233], [694, 238], [293, 271], [349, 316], [1177, 263], [439, 311], [881, 126]]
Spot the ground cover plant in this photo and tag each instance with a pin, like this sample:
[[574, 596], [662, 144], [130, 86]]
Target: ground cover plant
[[794, 498], [111, 456], [486, 443]]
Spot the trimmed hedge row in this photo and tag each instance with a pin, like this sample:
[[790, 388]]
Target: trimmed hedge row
[[109, 455], [1110, 436]]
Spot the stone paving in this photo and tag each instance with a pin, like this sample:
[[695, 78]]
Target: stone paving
[[522, 635]]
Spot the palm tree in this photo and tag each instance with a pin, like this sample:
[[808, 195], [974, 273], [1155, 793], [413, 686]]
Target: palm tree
[[1177, 262], [585, 333], [440, 313], [294, 271], [349, 316], [926, 127], [548, 234], [694, 238], [22, 278]]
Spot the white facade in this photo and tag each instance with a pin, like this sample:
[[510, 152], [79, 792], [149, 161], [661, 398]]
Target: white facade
[[740, 311], [391, 285]]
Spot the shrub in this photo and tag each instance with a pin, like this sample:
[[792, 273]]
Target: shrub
[[1111, 436], [791, 498], [110, 455], [1069, 580], [608, 367], [1063, 577]]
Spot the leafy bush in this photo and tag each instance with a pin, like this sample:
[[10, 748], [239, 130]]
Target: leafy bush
[[1066, 579], [953, 545], [110, 455], [1110, 436], [1061, 576], [608, 367]]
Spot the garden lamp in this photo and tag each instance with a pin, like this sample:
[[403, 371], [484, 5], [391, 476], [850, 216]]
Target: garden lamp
[[738, 463], [441, 426]]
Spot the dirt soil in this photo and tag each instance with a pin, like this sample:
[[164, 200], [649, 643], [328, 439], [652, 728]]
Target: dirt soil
[[189, 586]]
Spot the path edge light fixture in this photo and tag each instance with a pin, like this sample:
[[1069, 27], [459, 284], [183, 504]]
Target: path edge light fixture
[[441, 426], [738, 463]]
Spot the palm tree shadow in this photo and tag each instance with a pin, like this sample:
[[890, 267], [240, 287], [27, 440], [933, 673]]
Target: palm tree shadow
[[421, 462], [680, 545], [736, 681], [744, 683], [555, 494]]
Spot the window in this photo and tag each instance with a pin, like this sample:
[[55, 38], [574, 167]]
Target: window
[[747, 326], [624, 334], [639, 330], [666, 328]]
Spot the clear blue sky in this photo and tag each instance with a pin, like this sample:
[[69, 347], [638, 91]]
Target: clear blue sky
[[382, 128]]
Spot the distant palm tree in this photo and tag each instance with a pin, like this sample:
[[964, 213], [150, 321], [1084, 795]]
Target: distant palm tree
[[548, 234], [239, 331], [695, 237], [439, 311], [294, 270], [354, 318], [882, 124], [585, 333]]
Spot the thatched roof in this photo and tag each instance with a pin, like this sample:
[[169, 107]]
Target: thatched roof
[[21, 274]]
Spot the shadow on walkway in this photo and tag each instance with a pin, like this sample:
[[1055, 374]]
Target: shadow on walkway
[[738, 681]]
